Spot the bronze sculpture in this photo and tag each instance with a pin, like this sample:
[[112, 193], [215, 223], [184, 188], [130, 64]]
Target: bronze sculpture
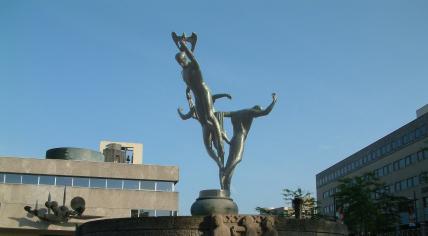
[[201, 108]]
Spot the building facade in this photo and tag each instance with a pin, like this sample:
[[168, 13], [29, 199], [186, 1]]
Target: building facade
[[399, 159], [110, 190]]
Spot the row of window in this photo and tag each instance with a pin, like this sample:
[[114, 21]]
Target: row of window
[[402, 163], [86, 182], [391, 188], [144, 213], [387, 149], [389, 168]]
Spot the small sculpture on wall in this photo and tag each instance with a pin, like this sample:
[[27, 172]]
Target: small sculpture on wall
[[54, 213]]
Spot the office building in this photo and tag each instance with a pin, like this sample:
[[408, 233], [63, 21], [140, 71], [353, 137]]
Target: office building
[[399, 159], [113, 189]]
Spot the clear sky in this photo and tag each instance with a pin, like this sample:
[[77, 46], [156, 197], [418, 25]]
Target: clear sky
[[346, 73]]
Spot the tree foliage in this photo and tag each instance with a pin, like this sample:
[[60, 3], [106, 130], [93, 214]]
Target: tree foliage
[[309, 207], [367, 204]]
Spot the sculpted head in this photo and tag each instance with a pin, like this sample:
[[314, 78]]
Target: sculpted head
[[218, 220], [181, 59], [257, 107]]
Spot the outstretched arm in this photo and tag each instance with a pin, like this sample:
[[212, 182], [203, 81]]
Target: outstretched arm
[[221, 95], [188, 115], [268, 109]]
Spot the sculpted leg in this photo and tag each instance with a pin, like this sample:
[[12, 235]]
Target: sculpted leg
[[235, 156], [208, 146]]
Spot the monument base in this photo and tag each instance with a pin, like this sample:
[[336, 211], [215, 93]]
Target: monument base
[[226, 225], [212, 202]]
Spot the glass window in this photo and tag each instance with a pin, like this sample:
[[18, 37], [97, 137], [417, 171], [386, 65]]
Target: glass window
[[397, 186], [396, 166], [81, 182], [47, 179], [164, 186], [148, 185], [420, 156], [30, 179], [385, 170], [403, 184], [412, 136], [1, 178], [144, 212], [114, 183], [163, 213], [413, 158], [13, 178], [130, 184], [97, 183], [425, 154], [134, 213], [405, 139], [408, 161], [402, 163], [410, 182], [416, 180], [63, 181]]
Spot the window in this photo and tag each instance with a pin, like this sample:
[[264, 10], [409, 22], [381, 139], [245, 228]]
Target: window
[[403, 184], [97, 183], [1, 178], [81, 182], [163, 213], [134, 213], [420, 155], [413, 158], [165, 186], [47, 179], [114, 183], [410, 182], [13, 178], [148, 185], [396, 165], [63, 181], [402, 163], [131, 184], [144, 212], [407, 160], [30, 179], [385, 170], [397, 186]]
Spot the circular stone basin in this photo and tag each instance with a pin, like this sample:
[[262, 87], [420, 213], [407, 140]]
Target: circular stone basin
[[204, 226]]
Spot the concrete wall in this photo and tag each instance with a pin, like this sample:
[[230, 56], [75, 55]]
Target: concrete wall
[[106, 203], [86, 168]]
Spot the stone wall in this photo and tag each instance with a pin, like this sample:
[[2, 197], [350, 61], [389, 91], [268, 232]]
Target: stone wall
[[232, 225]]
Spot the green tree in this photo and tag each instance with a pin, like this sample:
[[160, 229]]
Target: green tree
[[367, 204], [309, 207]]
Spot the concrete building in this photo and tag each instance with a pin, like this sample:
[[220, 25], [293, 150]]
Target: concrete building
[[399, 159], [109, 189]]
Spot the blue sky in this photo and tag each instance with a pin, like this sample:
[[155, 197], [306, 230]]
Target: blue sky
[[346, 73]]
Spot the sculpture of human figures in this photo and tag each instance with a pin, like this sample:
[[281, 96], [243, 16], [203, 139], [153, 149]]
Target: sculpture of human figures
[[220, 228], [203, 108], [241, 121], [268, 227]]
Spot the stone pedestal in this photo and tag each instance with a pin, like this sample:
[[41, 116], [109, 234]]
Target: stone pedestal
[[214, 201]]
